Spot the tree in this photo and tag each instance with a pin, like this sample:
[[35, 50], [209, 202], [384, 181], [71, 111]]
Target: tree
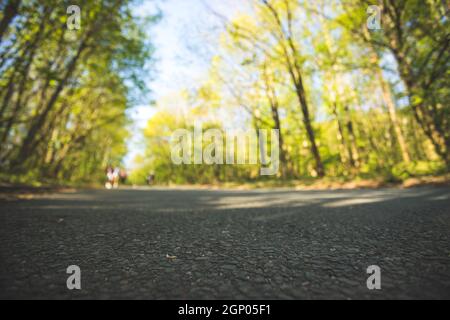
[[66, 91], [416, 35]]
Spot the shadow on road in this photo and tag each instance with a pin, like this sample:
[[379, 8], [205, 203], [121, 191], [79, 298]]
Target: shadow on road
[[260, 244]]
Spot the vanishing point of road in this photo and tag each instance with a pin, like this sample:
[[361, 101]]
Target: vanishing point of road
[[158, 243]]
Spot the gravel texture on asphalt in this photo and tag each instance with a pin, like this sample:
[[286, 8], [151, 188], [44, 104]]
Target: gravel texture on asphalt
[[208, 244]]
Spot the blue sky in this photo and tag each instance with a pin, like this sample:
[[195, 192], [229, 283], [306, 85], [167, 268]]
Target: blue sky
[[181, 53]]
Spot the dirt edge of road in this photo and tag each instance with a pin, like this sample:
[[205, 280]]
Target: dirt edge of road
[[23, 192]]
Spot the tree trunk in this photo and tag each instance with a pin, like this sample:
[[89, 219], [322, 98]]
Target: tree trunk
[[351, 133], [290, 52], [274, 105], [28, 144], [346, 151], [389, 101], [309, 129]]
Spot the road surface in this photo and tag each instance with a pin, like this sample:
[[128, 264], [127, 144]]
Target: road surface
[[211, 244]]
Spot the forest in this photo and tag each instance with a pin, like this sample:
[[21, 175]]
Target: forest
[[357, 89], [65, 88]]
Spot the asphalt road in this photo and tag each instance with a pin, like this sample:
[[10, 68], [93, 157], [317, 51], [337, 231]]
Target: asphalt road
[[210, 244]]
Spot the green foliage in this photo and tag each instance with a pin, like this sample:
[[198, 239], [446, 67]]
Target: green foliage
[[377, 100], [65, 92], [348, 102]]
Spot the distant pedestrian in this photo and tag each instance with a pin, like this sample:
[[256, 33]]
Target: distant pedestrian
[[116, 177], [150, 179], [123, 176], [109, 177]]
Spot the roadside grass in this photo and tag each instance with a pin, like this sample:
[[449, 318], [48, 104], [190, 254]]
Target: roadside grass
[[324, 183], [401, 175]]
